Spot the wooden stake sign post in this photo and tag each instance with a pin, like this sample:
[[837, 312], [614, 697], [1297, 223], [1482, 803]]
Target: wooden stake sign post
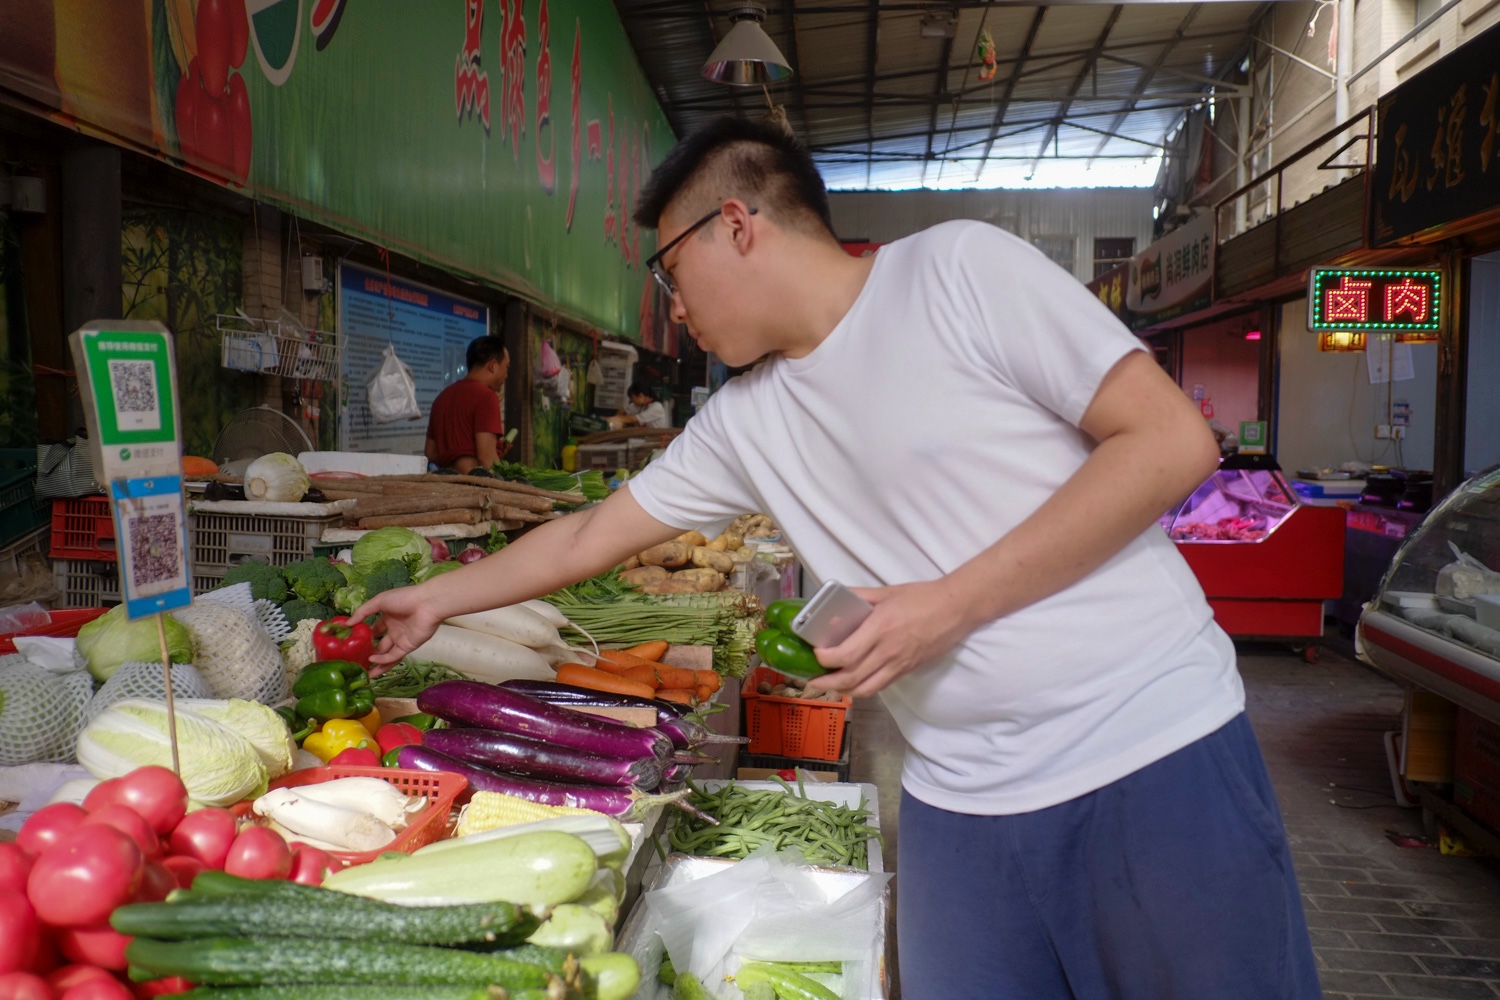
[[127, 376]]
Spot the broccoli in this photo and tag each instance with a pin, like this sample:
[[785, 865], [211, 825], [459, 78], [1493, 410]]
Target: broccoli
[[314, 579], [386, 575], [266, 582], [349, 597], [297, 609]]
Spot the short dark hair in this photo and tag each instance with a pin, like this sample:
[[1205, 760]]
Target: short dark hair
[[636, 389], [753, 160], [483, 350]]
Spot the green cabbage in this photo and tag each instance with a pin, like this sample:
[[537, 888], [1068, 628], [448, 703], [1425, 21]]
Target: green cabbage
[[256, 722], [219, 766], [438, 569], [393, 543], [112, 639]]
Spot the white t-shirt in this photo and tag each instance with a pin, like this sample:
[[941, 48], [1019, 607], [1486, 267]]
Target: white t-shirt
[[940, 412], [653, 414]]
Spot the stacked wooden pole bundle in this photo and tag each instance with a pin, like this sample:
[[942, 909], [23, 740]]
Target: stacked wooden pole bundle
[[421, 500]]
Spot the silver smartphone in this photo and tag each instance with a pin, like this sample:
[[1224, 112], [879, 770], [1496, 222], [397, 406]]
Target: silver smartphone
[[831, 616]]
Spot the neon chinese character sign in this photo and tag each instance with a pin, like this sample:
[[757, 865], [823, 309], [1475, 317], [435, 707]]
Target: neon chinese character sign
[[1378, 301]]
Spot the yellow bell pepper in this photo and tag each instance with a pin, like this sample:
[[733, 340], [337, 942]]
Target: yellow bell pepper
[[371, 722], [336, 736]]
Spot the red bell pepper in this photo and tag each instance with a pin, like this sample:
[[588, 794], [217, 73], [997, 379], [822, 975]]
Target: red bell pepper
[[394, 735], [355, 757], [341, 639]]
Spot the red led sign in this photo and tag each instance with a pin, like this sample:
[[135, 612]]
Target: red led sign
[[1391, 301]]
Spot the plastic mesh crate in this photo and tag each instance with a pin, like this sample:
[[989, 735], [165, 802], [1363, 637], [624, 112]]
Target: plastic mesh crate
[[83, 528], [20, 512], [792, 727], [12, 555], [84, 583], [219, 541]]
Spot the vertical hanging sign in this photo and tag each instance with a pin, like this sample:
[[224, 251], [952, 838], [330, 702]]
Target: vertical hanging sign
[[127, 375]]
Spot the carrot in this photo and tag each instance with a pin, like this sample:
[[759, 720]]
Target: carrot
[[676, 677], [703, 692], [621, 659], [652, 651], [578, 675], [643, 675], [681, 695], [709, 679]]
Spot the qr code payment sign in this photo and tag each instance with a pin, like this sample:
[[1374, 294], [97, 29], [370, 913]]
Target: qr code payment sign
[[137, 402], [154, 538]]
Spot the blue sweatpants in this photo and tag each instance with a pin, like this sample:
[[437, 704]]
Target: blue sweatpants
[[1173, 883]]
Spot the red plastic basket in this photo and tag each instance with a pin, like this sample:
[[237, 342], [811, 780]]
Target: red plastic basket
[[442, 789], [64, 625], [83, 528], [792, 727]]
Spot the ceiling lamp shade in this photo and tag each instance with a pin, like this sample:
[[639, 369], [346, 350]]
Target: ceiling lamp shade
[[746, 57]]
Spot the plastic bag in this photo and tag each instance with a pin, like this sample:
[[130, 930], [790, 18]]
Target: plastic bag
[[771, 907], [393, 391], [548, 364], [23, 617]]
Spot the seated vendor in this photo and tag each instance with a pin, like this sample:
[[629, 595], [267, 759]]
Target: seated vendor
[[465, 431], [643, 409]]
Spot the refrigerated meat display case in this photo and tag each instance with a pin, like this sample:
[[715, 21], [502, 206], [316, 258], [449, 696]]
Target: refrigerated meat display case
[[1266, 560], [1435, 621]]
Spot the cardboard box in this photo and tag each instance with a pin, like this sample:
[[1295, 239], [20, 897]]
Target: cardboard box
[[1476, 768], [1427, 724]]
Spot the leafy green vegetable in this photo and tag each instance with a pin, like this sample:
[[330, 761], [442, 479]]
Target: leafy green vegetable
[[257, 723], [314, 579], [266, 582], [393, 543], [590, 483], [112, 639], [297, 610]]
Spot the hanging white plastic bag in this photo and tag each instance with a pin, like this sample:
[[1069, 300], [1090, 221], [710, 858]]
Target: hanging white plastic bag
[[393, 391], [548, 364]]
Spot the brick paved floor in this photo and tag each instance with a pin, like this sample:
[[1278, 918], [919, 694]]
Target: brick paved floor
[[1386, 921]]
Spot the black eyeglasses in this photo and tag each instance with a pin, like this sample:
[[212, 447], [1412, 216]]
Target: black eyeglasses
[[653, 263]]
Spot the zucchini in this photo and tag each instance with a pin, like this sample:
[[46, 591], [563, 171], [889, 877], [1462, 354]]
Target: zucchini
[[306, 992], [286, 961], [323, 914]]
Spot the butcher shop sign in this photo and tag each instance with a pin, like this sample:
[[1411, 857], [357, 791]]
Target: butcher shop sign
[[1373, 300]]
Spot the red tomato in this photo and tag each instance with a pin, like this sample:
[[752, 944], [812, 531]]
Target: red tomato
[[158, 795], [82, 879], [71, 975], [102, 946], [106, 793], [213, 31], [97, 988], [24, 986], [157, 881], [259, 852], [205, 835], [130, 823], [215, 137], [15, 865], [239, 127], [48, 825], [239, 31], [184, 868], [162, 987], [310, 866], [185, 112], [20, 934]]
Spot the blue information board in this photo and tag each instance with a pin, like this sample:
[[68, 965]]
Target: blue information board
[[430, 331]]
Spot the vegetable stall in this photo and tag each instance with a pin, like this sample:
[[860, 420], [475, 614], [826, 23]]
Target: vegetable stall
[[492, 811]]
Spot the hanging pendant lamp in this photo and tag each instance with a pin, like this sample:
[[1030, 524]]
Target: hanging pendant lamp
[[746, 57]]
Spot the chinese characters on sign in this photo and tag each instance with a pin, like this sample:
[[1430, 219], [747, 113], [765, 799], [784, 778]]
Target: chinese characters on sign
[[1374, 300]]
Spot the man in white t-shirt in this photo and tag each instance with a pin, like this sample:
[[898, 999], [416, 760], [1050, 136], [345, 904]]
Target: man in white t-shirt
[[1085, 813], [643, 409]]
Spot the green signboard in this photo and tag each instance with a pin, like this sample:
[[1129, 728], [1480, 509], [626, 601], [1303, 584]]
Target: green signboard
[[504, 140]]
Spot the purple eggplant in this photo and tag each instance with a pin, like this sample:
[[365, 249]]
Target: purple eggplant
[[622, 803], [489, 706], [554, 693], [528, 758]]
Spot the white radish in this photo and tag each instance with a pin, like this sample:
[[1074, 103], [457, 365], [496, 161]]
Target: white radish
[[483, 657], [560, 654], [514, 623], [558, 620], [350, 829], [380, 799]]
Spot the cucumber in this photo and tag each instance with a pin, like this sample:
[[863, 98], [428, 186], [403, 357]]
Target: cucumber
[[306, 992], [688, 987], [761, 991], [285, 961], [788, 983], [325, 914], [615, 975]]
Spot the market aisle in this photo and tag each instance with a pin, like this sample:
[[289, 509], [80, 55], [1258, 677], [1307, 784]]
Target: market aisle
[[1386, 921]]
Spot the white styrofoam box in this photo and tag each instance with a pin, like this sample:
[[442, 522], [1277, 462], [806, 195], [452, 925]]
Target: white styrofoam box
[[1410, 599], [843, 793], [362, 463], [1487, 610]]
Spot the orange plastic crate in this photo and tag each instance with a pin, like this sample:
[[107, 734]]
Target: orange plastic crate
[[792, 727], [442, 789], [83, 528]]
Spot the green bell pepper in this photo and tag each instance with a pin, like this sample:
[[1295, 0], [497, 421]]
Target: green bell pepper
[[324, 705], [780, 613], [391, 758], [421, 720], [361, 702], [785, 652], [330, 675]]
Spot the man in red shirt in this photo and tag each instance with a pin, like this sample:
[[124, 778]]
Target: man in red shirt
[[465, 429]]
